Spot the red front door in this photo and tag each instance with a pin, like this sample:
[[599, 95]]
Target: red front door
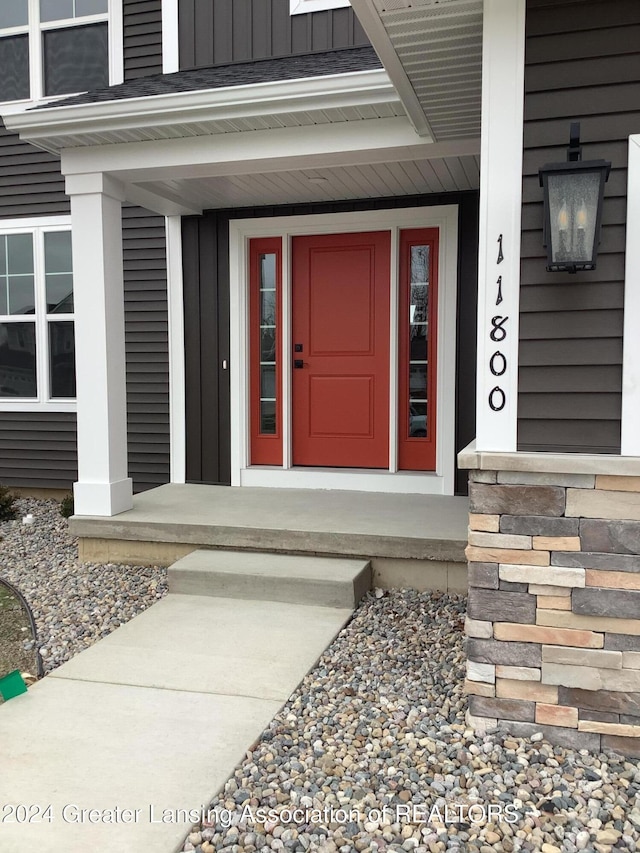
[[340, 340]]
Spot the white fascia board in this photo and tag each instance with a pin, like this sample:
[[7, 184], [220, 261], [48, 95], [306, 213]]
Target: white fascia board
[[315, 146], [369, 17], [327, 92], [630, 439]]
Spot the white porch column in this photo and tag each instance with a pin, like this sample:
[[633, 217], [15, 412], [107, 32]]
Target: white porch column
[[500, 218], [103, 487]]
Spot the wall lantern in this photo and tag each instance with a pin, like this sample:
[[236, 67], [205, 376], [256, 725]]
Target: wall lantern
[[573, 194]]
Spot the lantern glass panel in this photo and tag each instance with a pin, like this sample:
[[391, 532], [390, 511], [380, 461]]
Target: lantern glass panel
[[573, 215]]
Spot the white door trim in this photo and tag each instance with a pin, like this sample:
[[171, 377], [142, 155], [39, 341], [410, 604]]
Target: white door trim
[[175, 310], [445, 218]]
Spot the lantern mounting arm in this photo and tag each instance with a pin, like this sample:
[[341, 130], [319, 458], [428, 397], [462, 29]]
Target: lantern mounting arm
[[574, 151]]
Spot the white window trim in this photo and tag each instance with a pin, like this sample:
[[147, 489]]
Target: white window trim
[[34, 29], [440, 482], [301, 7], [630, 438], [41, 403]]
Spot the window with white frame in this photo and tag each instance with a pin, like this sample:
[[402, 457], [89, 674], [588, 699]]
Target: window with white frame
[[301, 7], [52, 47], [37, 351]]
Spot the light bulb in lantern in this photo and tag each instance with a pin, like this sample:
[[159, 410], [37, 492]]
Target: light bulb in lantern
[[582, 216], [563, 218]]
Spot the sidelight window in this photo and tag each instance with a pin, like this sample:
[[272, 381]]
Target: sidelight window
[[265, 346], [417, 349]]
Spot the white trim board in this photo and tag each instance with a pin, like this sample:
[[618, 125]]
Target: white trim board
[[240, 231], [177, 390], [500, 224], [326, 91], [302, 7], [170, 39], [630, 438]]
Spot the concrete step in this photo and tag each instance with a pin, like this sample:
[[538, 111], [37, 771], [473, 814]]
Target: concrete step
[[320, 581]]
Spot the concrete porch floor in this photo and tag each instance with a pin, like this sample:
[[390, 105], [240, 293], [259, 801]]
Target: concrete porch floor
[[412, 540]]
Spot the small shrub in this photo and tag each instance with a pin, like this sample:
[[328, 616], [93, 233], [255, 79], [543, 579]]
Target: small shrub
[[7, 504], [66, 506]]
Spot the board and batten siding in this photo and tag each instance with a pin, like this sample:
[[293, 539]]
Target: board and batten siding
[[147, 347], [216, 32], [142, 38], [582, 64]]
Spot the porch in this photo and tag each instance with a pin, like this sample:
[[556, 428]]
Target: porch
[[412, 540]]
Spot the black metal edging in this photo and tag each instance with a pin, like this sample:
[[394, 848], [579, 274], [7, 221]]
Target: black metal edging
[[32, 621]]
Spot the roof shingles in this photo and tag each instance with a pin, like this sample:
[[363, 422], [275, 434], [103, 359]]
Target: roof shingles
[[236, 74]]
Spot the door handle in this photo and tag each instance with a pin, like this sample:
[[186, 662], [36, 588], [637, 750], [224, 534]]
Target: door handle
[[298, 363]]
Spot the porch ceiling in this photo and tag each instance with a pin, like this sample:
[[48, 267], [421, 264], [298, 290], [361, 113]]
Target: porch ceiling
[[412, 177], [432, 51]]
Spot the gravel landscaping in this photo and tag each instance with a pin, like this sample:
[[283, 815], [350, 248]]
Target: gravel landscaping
[[74, 604], [372, 752], [378, 731]]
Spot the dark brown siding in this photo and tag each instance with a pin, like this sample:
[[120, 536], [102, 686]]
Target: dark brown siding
[[582, 64], [205, 253], [146, 339], [215, 32], [142, 38], [30, 180], [206, 302]]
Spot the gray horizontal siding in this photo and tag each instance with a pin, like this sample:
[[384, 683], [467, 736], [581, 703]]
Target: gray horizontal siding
[[146, 341], [142, 38], [30, 180], [38, 450], [215, 32], [582, 64]]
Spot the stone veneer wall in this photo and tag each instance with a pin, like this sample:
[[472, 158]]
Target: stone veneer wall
[[553, 621]]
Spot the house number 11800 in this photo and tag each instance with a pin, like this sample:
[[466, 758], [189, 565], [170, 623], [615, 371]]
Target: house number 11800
[[498, 334]]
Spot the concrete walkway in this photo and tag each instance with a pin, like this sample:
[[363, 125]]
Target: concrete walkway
[[152, 718]]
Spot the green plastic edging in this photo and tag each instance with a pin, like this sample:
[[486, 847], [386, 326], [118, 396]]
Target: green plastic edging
[[12, 685]]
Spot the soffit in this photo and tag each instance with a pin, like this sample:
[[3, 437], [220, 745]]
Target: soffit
[[432, 50], [411, 177]]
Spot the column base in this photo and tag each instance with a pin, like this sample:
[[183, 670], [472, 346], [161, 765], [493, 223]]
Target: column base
[[104, 499]]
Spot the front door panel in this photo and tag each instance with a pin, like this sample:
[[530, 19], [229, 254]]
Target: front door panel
[[341, 350]]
